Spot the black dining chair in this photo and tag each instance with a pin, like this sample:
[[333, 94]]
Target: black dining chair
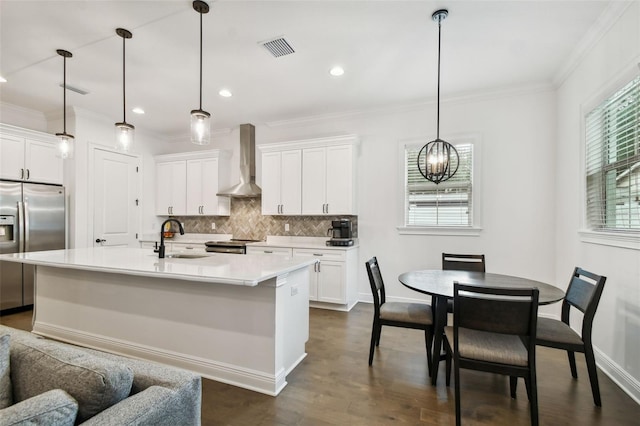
[[494, 330], [583, 293], [397, 314], [462, 262]]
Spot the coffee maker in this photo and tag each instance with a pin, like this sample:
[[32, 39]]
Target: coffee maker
[[341, 233]]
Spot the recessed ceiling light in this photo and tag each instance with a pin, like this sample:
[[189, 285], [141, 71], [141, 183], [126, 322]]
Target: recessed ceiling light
[[336, 71], [138, 110], [225, 93], [2, 79]]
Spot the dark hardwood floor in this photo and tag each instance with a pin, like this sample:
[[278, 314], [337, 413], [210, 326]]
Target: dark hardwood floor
[[335, 386]]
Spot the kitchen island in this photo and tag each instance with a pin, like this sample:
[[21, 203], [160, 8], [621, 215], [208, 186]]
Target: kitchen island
[[242, 320]]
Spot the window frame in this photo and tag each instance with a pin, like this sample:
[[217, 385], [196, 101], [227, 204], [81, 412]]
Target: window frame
[[621, 238], [476, 200]]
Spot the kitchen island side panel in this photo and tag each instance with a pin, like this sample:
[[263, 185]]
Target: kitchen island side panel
[[235, 334]]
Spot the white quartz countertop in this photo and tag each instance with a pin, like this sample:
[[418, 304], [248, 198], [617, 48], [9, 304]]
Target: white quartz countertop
[[222, 268]]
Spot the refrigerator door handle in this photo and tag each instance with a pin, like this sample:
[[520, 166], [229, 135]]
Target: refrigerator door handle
[[20, 227], [25, 215]]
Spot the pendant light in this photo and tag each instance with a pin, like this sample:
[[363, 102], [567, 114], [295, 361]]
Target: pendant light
[[65, 143], [200, 119], [438, 160], [124, 131]]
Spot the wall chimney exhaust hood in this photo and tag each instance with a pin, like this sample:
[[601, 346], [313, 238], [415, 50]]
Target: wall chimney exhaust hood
[[247, 187]]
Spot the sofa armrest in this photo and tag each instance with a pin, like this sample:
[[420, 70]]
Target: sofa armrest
[[155, 405], [55, 408]]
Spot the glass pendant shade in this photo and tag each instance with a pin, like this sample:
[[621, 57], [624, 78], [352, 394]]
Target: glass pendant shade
[[65, 145], [124, 136], [200, 127]]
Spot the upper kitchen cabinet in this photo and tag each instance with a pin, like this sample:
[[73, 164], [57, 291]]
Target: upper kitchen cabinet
[[322, 182], [281, 181], [328, 180], [27, 155], [204, 178], [187, 183]]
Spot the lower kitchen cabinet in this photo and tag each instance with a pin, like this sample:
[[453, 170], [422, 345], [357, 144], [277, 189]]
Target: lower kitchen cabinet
[[333, 281]]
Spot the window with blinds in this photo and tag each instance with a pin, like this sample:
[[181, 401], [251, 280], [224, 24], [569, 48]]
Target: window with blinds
[[613, 162], [448, 204]]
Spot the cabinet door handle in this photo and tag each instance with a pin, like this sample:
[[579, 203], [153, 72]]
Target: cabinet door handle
[[28, 174], [21, 173], [268, 251], [318, 254]]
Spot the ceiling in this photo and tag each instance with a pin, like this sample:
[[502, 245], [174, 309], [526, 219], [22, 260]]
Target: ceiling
[[387, 48]]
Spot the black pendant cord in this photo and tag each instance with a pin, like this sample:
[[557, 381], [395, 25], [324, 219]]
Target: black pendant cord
[[124, 92], [64, 95], [438, 107], [200, 61]]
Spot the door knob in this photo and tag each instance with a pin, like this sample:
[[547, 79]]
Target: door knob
[[100, 241]]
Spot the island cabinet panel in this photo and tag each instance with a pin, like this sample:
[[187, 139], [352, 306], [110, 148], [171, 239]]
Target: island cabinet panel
[[282, 182], [273, 251], [321, 181], [250, 336], [187, 183], [29, 156]]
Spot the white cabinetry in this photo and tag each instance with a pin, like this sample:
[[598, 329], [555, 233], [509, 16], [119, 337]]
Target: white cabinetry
[[328, 180], [29, 156], [203, 182], [187, 183], [317, 175], [281, 182], [171, 182], [333, 281]]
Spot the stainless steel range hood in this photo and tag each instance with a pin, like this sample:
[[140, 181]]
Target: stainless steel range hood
[[247, 187]]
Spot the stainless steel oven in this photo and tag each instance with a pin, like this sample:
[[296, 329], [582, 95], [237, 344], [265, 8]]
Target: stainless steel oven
[[233, 246]]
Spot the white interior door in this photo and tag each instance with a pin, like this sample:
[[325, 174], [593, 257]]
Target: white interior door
[[115, 199]]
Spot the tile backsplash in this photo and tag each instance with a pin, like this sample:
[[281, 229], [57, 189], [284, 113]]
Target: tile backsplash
[[247, 222]]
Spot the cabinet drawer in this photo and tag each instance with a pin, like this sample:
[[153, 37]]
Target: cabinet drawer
[[279, 251], [196, 248], [335, 255]]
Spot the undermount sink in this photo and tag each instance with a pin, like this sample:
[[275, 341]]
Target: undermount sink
[[185, 256]]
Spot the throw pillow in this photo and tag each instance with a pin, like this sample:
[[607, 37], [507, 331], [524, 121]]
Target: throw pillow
[[5, 376], [95, 383], [53, 408]]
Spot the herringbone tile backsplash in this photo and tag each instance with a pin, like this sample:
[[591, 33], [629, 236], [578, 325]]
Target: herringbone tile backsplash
[[246, 222]]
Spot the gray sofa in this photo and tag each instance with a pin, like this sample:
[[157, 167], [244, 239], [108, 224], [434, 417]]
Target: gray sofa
[[46, 382]]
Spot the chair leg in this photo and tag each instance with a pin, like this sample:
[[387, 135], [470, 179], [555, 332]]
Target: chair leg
[[428, 344], [378, 332], [528, 386], [513, 384], [374, 334], [456, 371], [572, 364], [593, 374], [533, 397], [448, 366]]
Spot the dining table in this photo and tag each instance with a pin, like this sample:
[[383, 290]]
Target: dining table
[[439, 285]]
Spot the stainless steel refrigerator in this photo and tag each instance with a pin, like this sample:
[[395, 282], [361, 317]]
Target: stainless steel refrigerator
[[32, 218]]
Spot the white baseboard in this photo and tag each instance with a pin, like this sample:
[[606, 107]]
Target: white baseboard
[[220, 372], [627, 383]]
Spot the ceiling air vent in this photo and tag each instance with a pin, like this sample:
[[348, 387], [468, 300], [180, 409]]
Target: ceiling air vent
[[278, 47], [75, 89]]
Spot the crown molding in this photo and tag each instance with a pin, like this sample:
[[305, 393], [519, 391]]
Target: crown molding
[[186, 137], [27, 112], [607, 19], [482, 95]]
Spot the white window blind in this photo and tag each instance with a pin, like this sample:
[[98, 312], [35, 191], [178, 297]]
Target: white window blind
[[613, 161], [448, 204]]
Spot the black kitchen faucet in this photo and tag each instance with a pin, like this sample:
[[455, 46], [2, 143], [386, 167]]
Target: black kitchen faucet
[[160, 250]]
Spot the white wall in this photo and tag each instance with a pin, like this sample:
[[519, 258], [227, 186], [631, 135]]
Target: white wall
[[616, 332], [517, 138]]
